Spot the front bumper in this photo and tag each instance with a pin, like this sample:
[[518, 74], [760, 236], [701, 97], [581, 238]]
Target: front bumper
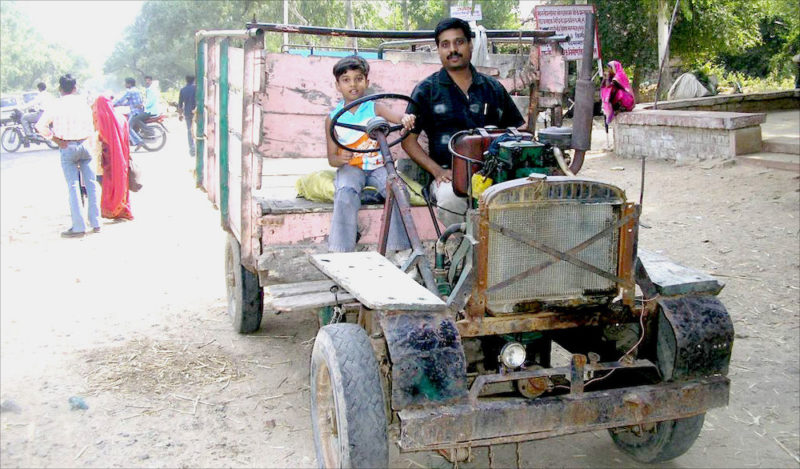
[[506, 420]]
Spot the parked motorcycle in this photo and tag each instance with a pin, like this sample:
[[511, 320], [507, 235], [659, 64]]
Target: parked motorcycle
[[14, 136]]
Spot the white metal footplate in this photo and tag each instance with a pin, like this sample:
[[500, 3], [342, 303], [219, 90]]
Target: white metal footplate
[[376, 282]]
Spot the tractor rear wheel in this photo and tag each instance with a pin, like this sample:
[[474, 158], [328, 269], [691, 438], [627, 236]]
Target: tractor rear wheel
[[245, 295], [348, 414]]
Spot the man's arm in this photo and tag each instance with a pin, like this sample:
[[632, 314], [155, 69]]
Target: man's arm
[[43, 125], [414, 150], [122, 100]]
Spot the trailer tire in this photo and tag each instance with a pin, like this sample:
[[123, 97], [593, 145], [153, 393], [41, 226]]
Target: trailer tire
[[668, 440], [245, 295], [348, 415]]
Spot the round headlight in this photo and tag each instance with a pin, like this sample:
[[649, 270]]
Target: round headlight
[[513, 355]]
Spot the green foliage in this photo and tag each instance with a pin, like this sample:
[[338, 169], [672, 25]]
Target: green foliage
[[27, 58], [161, 41]]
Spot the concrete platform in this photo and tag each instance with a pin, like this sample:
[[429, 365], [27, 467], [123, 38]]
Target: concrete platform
[[780, 148]]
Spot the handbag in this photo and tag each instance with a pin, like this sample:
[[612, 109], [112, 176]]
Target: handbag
[[134, 176]]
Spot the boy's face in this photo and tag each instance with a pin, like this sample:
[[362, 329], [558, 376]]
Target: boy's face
[[352, 84]]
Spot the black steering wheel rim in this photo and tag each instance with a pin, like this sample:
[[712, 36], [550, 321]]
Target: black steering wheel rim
[[361, 100]]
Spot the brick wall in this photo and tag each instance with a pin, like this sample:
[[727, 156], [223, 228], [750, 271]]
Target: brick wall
[[684, 145]]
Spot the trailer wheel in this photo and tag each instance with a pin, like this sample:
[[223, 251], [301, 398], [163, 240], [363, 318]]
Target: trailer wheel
[[348, 415], [666, 440], [245, 295]]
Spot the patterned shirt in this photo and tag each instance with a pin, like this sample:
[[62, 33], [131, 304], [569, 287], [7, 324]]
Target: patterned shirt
[[445, 109], [358, 140], [133, 99], [70, 116]]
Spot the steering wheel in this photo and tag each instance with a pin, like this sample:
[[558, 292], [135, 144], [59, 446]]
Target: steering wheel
[[374, 125]]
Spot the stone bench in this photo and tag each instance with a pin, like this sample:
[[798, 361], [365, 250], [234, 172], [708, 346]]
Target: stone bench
[[687, 136]]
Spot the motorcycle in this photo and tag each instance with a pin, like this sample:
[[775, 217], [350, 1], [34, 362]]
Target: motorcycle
[[153, 133], [14, 136]]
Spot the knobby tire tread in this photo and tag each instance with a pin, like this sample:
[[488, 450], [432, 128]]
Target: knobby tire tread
[[360, 388]]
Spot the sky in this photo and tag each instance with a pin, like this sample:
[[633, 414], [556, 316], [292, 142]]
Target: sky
[[90, 28]]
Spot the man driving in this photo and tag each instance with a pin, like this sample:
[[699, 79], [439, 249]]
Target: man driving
[[455, 98]]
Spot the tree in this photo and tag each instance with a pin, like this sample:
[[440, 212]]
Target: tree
[[27, 58]]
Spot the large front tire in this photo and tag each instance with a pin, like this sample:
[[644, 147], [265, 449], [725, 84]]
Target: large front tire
[[665, 441], [348, 415], [245, 295], [11, 139]]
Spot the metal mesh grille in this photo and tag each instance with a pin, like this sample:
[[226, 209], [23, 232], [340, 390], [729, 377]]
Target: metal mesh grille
[[560, 226]]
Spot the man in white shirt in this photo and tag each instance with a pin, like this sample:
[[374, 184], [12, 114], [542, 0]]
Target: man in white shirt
[[37, 105], [72, 123]]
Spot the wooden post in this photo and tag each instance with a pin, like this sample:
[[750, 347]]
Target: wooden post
[[224, 89], [253, 69]]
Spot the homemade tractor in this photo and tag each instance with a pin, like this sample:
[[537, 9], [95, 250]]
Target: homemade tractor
[[467, 360]]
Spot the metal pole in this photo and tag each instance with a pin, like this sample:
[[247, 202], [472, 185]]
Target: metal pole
[[388, 34], [584, 92]]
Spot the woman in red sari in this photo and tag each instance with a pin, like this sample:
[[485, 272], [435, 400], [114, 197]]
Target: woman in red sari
[[113, 132]]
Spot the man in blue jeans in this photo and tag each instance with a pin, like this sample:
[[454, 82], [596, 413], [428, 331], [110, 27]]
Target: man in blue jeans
[[186, 104], [72, 123]]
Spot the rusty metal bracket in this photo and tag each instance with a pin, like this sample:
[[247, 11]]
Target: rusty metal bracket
[[694, 338], [499, 421], [482, 380]]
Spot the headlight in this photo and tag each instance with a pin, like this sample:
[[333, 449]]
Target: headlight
[[512, 354]]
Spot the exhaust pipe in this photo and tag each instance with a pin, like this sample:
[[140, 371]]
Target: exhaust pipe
[[584, 98]]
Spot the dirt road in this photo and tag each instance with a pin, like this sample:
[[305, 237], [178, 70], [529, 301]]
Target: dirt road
[[132, 320]]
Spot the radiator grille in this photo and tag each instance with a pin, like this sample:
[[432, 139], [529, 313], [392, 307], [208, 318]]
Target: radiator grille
[[559, 224]]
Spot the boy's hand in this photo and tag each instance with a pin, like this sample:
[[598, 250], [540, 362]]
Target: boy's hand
[[342, 157], [408, 121]]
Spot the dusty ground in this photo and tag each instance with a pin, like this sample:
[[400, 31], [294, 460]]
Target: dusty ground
[[132, 320]]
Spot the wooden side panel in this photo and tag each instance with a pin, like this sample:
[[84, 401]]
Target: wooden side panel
[[235, 103], [300, 92], [314, 228]]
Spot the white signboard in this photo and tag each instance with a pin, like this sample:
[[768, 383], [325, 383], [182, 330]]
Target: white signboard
[[466, 13], [569, 20]]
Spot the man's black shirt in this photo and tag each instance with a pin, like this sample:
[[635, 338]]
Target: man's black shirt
[[445, 109], [186, 99]]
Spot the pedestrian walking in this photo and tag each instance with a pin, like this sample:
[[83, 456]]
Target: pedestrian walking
[[71, 120], [186, 104]]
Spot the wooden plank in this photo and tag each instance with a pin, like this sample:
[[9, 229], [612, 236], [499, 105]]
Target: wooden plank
[[376, 282], [307, 301], [670, 278], [301, 288]]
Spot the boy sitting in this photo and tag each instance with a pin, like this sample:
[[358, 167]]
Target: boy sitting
[[356, 172]]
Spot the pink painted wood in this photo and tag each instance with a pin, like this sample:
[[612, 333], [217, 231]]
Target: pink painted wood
[[300, 92], [303, 228]]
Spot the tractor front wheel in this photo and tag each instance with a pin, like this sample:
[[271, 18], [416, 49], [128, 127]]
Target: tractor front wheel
[[348, 414], [661, 441]]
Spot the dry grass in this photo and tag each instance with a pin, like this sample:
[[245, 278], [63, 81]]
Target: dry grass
[[160, 367]]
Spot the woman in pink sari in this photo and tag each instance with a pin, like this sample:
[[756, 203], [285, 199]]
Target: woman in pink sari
[[616, 93], [115, 201]]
